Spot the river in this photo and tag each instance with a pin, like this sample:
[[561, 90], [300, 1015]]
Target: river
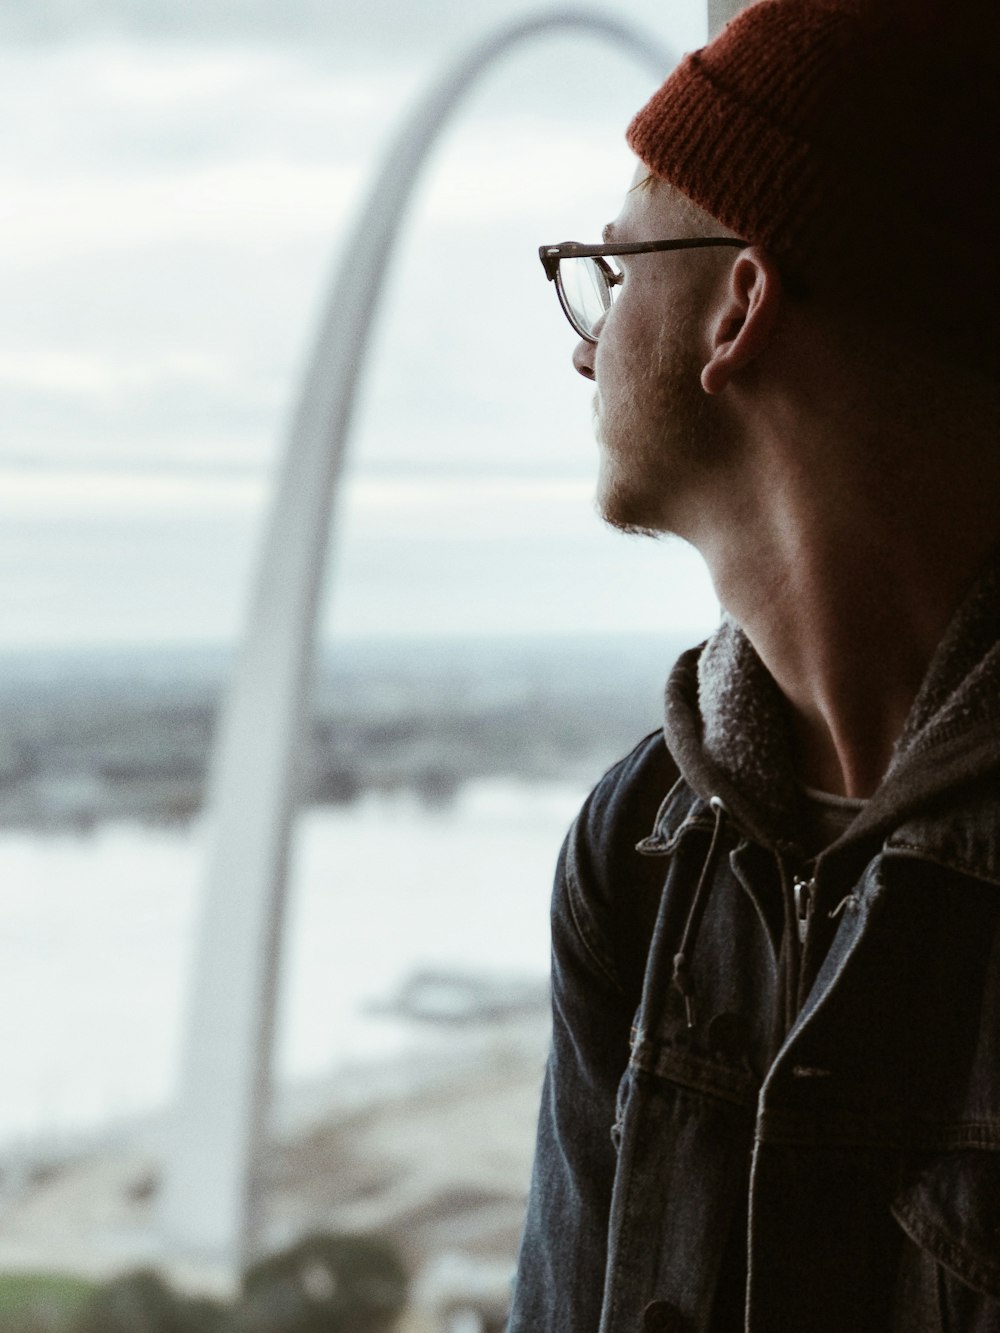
[[98, 933]]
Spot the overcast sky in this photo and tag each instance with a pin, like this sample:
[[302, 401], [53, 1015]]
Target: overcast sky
[[179, 180]]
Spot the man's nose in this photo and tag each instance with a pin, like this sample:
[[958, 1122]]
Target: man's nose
[[583, 358]]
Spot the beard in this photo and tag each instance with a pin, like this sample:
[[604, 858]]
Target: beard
[[659, 435]]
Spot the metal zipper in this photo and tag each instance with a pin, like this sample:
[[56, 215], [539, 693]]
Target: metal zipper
[[804, 893]]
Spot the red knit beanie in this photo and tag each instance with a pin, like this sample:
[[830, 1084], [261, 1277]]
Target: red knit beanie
[[857, 141]]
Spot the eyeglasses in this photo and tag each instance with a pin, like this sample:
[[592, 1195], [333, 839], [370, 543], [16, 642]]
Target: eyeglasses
[[586, 282]]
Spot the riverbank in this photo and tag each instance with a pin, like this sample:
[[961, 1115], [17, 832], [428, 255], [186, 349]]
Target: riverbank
[[432, 1154]]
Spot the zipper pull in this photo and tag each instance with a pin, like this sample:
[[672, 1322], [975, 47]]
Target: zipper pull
[[803, 891]]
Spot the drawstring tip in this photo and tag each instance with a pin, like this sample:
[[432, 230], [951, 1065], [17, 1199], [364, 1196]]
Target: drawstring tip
[[682, 980]]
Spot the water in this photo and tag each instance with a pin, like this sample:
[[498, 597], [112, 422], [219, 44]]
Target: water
[[98, 932]]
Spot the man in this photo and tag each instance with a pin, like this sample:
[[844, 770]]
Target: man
[[773, 1096]]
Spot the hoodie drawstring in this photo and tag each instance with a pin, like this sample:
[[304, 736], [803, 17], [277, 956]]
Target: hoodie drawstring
[[681, 977]]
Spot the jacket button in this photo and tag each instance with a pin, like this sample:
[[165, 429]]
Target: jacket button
[[662, 1317]]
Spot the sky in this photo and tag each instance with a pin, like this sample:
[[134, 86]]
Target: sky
[[180, 181]]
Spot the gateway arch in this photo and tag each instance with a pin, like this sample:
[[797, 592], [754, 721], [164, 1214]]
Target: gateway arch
[[209, 1205]]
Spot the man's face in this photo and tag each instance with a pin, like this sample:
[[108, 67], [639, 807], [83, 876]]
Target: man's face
[[659, 432]]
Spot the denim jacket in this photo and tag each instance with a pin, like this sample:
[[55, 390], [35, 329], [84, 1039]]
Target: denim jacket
[[772, 1101]]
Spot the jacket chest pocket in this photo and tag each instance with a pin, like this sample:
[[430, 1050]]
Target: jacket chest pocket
[[949, 1276], [680, 1188]]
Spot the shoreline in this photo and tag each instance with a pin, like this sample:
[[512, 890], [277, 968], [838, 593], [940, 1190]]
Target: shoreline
[[359, 1152]]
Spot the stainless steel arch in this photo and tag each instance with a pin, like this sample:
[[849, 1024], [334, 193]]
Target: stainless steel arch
[[208, 1203]]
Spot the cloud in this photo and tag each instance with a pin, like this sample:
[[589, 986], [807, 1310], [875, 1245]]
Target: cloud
[[386, 31], [158, 304], [173, 212], [231, 204]]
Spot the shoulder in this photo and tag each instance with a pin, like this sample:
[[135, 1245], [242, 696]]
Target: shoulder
[[607, 888], [622, 808]]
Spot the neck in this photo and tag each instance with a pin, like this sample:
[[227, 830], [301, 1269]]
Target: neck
[[845, 581]]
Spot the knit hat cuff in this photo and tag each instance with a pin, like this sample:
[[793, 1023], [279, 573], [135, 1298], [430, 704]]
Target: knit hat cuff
[[717, 151]]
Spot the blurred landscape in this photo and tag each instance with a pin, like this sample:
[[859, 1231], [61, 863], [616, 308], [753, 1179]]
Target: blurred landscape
[[181, 183], [416, 992], [93, 736]]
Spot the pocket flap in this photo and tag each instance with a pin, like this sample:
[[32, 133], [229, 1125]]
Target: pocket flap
[[952, 1210]]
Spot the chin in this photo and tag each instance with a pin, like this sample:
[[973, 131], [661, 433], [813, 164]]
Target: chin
[[624, 507]]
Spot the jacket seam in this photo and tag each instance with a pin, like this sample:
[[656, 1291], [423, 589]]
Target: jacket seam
[[576, 909], [949, 1253], [911, 849], [696, 1075], [859, 1128]]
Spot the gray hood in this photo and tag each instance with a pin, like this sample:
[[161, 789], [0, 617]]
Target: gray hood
[[726, 725]]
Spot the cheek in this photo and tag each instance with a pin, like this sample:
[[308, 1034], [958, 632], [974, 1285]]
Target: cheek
[[617, 344], [636, 320], [626, 351]]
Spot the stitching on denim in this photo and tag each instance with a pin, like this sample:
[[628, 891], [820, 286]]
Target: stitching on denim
[[620, 1241], [650, 847], [577, 909], [734, 864], [951, 863], [666, 802], [659, 840], [859, 1128], [696, 1074], [958, 1259]]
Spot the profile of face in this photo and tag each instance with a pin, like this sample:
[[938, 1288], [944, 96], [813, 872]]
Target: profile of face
[[660, 434]]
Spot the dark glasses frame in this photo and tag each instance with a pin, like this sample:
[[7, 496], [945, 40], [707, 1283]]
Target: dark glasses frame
[[552, 255]]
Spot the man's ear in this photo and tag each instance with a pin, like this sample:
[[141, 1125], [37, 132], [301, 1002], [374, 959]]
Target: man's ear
[[744, 319]]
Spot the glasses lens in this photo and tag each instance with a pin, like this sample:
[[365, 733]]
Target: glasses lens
[[586, 290]]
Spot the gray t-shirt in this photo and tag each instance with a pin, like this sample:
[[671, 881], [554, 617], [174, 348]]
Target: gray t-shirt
[[827, 817]]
